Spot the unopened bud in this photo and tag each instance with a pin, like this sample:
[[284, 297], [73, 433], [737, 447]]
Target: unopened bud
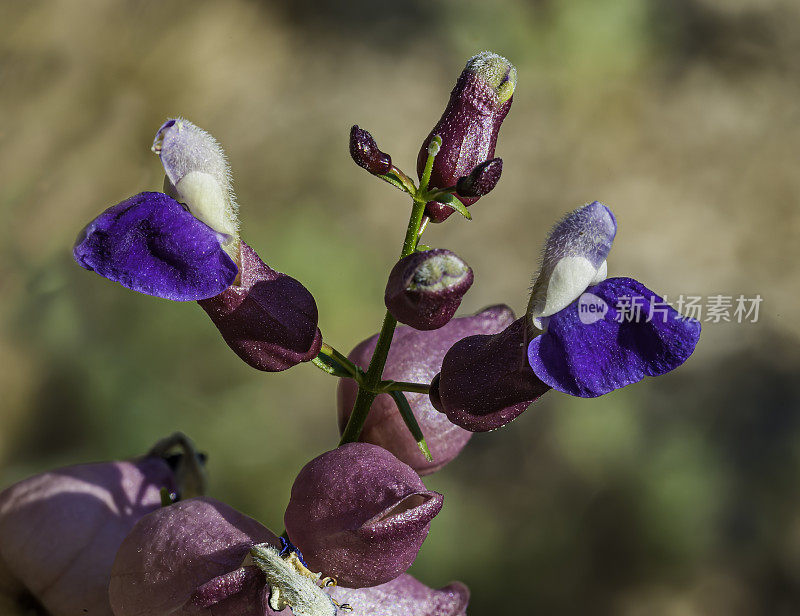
[[469, 125], [366, 154], [425, 288], [482, 180]]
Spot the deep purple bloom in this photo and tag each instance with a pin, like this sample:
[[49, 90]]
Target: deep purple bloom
[[592, 347], [405, 596], [60, 531], [416, 356], [366, 154], [151, 244], [588, 356], [424, 289], [268, 318], [588, 348], [469, 125], [187, 559], [485, 380], [482, 180], [359, 514]]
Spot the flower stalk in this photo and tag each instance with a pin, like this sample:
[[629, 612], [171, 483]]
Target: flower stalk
[[367, 390]]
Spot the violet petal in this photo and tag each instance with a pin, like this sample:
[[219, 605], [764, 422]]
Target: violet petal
[[486, 381], [416, 356], [268, 319], [589, 359], [425, 288], [405, 596], [60, 530], [359, 514], [150, 244]]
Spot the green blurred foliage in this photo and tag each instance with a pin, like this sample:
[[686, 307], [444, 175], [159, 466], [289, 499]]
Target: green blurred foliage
[[673, 497]]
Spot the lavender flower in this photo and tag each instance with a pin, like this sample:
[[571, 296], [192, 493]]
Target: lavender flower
[[469, 125], [425, 288], [60, 530], [405, 596], [190, 250], [417, 356], [359, 514]]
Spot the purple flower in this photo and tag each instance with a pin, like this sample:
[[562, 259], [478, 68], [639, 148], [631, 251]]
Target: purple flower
[[59, 531], [469, 125], [417, 356], [425, 288], [189, 559], [269, 319], [185, 245], [590, 345], [588, 358], [359, 514], [405, 596]]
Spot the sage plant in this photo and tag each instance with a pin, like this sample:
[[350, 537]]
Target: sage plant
[[409, 397]]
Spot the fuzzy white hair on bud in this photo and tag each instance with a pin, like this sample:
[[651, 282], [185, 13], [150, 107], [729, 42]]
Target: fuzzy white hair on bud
[[573, 259], [293, 584], [198, 175]]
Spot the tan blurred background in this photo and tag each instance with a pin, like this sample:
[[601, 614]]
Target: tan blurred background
[[676, 496]]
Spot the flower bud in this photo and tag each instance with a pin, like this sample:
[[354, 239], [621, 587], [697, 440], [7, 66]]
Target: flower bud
[[469, 125], [197, 174], [574, 257], [187, 559], [486, 380], [405, 596], [268, 319], [366, 154], [359, 514], [425, 288], [416, 356], [60, 530], [481, 180]]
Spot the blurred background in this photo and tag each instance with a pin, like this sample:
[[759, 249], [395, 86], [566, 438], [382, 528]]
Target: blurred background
[[676, 496]]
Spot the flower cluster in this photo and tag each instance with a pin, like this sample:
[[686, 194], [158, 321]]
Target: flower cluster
[[141, 537]]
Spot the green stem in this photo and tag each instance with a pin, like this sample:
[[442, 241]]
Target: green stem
[[369, 385], [366, 393], [417, 388]]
